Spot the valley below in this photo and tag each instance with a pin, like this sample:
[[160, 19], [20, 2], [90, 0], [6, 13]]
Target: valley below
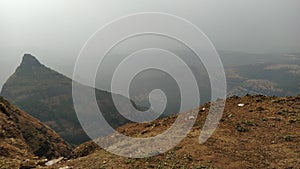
[[262, 133]]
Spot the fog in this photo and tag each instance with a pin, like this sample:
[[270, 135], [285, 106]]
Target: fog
[[55, 30]]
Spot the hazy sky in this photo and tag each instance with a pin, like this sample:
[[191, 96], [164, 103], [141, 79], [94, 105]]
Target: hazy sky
[[55, 30]]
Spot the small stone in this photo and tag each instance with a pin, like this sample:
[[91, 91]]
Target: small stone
[[42, 162], [66, 167], [191, 117], [28, 164]]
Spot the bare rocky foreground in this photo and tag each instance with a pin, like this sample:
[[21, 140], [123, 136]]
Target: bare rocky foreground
[[26, 142], [255, 132]]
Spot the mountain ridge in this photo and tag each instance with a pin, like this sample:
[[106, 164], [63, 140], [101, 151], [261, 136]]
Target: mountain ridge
[[47, 95]]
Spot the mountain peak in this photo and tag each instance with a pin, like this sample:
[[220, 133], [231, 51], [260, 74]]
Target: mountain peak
[[29, 59]]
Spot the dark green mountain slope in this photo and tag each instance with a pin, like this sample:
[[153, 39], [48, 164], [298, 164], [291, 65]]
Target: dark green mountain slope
[[47, 95]]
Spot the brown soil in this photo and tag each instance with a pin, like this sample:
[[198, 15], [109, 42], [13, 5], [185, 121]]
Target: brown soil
[[265, 133], [24, 137]]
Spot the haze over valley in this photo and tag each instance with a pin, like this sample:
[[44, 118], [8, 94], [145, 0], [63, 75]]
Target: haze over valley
[[149, 84]]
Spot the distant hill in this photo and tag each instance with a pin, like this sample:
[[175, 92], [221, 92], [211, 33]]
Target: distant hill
[[246, 73], [22, 137], [266, 74], [264, 133], [267, 79], [47, 95]]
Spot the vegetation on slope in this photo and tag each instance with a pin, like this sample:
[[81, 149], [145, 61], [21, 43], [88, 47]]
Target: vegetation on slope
[[47, 95], [24, 137]]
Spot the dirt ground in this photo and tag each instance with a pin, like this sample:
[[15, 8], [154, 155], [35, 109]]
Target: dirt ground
[[263, 133]]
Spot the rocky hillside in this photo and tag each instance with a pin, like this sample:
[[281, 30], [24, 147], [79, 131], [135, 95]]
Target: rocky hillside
[[47, 95], [24, 137], [263, 132]]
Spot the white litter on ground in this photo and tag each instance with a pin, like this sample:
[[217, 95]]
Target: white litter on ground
[[66, 167], [241, 105], [49, 163]]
